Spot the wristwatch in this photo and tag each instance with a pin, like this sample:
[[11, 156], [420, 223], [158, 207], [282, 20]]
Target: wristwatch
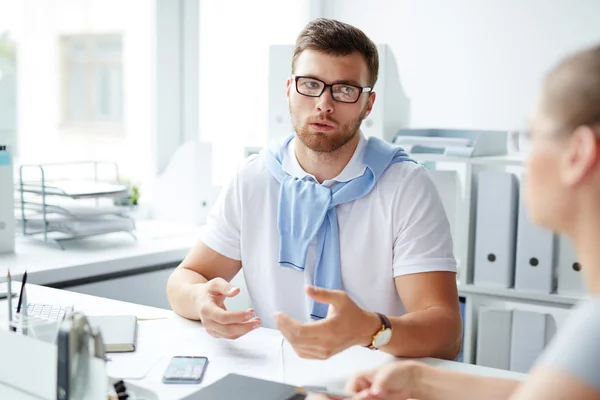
[[382, 336]]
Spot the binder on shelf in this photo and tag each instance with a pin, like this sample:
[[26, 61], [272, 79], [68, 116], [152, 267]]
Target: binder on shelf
[[570, 275], [393, 105], [280, 69], [494, 329], [463, 305], [495, 230], [531, 332], [535, 257]]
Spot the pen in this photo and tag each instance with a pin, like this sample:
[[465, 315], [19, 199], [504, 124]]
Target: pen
[[8, 280], [323, 390], [21, 293]]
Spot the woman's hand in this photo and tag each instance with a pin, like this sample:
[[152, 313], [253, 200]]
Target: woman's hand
[[396, 381]]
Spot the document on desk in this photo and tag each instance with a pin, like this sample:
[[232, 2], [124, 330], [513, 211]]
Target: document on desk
[[256, 354], [135, 365]]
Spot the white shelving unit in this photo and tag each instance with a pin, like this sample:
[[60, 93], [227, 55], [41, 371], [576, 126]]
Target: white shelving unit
[[463, 217], [551, 299]]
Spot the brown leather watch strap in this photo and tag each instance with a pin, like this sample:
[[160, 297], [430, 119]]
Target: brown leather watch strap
[[385, 321]]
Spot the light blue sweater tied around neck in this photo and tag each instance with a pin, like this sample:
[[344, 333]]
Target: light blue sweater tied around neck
[[308, 209]]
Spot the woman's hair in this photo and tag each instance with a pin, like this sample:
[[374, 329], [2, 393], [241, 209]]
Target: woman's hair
[[572, 90]]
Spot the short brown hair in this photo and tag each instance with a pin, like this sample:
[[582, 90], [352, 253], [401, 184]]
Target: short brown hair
[[572, 90], [339, 39]]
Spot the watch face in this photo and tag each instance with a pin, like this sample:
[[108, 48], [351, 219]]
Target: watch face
[[383, 338]]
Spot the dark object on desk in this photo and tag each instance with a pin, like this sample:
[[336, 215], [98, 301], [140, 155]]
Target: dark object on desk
[[234, 387], [23, 283], [119, 332], [121, 390]]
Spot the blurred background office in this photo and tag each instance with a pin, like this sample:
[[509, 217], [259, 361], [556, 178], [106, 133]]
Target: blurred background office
[[86, 79], [175, 93]]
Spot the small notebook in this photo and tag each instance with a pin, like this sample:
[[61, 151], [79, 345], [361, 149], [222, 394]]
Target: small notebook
[[119, 332], [234, 386]]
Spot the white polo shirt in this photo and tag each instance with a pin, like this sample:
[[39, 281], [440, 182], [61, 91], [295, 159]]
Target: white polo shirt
[[399, 228]]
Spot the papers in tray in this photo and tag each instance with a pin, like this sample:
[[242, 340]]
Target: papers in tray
[[76, 189], [57, 223], [433, 141]]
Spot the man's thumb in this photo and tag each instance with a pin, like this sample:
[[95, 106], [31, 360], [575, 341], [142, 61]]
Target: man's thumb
[[220, 286], [327, 296]]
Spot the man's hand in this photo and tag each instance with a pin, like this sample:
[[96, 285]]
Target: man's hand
[[216, 319], [346, 325]]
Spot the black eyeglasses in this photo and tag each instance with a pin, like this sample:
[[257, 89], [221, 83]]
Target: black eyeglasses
[[341, 92]]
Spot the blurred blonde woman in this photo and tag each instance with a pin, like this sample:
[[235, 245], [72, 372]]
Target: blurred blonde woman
[[562, 193]]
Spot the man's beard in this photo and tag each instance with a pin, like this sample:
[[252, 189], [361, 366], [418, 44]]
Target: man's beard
[[327, 142]]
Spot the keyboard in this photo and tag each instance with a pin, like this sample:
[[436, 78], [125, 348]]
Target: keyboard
[[48, 311]]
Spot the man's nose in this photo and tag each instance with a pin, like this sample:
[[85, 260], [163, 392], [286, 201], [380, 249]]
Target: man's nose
[[325, 101]]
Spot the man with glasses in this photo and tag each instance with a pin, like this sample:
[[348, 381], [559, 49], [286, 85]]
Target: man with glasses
[[342, 240]]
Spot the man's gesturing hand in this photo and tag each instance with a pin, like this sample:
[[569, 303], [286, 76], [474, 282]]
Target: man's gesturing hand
[[346, 325], [216, 319]]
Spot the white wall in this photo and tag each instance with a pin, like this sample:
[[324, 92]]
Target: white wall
[[234, 43], [473, 63], [41, 135]]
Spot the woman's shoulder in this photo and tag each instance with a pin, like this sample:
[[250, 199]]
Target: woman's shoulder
[[576, 346]]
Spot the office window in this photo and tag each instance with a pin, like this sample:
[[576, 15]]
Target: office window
[[92, 78], [8, 90]]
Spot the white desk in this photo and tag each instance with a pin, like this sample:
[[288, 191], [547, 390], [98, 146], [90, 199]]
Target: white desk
[[112, 265], [159, 339]]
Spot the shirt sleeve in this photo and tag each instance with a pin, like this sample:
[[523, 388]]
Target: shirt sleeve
[[576, 348], [223, 223], [423, 240]]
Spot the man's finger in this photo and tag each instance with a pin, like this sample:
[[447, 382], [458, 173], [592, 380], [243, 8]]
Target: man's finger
[[224, 317], [286, 323], [295, 329], [220, 287], [327, 296], [234, 331], [312, 353]]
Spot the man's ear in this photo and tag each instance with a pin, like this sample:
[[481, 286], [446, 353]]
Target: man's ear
[[370, 102], [580, 155], [288, 87]]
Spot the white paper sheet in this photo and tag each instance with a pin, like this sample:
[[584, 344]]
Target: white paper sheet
[[257, 354], [131, 366]]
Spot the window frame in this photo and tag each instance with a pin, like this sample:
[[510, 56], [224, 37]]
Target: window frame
[[89, 124]]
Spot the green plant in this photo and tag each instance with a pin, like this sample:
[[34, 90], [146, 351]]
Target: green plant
[[135, 195]]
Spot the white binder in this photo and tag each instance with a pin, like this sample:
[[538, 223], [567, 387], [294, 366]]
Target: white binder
[[570, 275], [494, 338], [280, 69], [495, 232], [392, 106], [535, 259], [531, 332]]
